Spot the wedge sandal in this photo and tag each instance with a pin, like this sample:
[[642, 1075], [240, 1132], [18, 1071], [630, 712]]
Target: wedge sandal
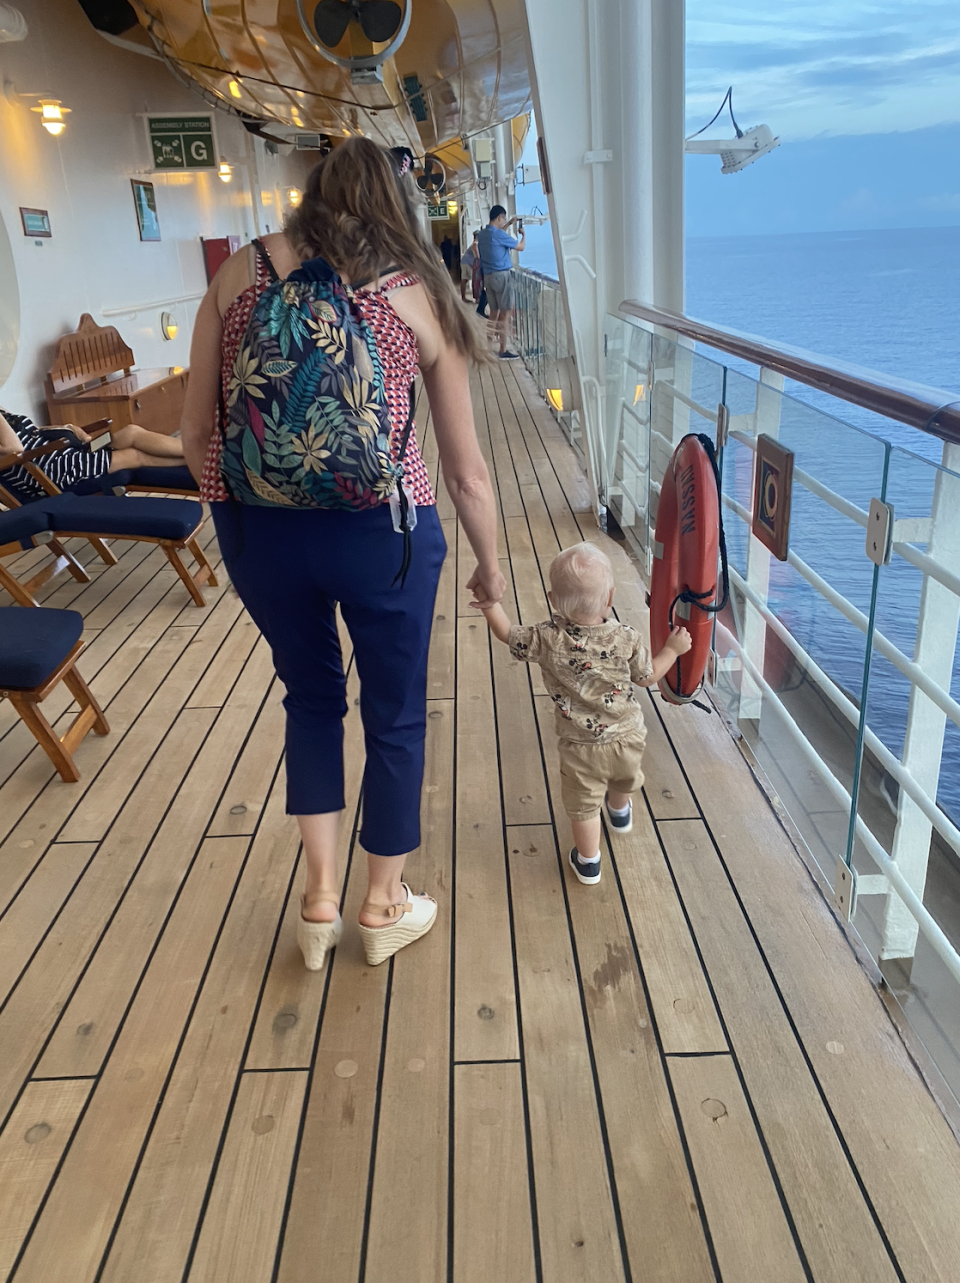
[[412, 918], [317, 938]]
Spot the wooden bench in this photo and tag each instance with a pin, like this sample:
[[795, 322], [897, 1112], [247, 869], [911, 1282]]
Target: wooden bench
[[93, 378]]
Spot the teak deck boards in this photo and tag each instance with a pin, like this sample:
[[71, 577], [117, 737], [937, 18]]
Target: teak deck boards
[[681, 1074]]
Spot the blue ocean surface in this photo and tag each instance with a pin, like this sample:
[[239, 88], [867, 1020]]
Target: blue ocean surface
[[888, 301]]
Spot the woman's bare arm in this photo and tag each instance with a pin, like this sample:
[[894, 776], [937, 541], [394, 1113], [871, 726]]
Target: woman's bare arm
[[203, 386], [447, 380]]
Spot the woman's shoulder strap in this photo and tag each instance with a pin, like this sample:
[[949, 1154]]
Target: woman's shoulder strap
[[264, 257]]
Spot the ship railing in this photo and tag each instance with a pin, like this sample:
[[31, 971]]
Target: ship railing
[[541, 337], [840, 674]]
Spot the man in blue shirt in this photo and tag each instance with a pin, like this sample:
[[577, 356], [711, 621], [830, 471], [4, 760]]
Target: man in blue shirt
[[494, 246]]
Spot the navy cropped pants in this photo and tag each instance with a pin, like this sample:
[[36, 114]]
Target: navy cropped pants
[[291, 568]]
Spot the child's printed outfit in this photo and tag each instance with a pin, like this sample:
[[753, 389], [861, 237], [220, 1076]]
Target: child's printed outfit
[[589, 671]]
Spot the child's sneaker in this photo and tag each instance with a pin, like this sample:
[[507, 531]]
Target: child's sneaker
[[620, 822], [589, 874]]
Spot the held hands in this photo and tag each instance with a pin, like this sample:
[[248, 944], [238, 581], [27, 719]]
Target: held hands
[[487, 588], [679, 641]]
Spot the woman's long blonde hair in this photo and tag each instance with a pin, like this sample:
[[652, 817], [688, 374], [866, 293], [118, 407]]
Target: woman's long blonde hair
[[359, 214]]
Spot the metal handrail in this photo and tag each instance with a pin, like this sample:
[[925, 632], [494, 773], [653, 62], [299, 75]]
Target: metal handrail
[[930, 409]]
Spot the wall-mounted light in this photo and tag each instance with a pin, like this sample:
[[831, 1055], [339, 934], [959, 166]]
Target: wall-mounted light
[[168, 325], [225, 172], [52, 115], [294, 196], [234, 88], [452, 208]]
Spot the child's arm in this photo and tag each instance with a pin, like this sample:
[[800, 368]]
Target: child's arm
[[678, 643], [498, 622]]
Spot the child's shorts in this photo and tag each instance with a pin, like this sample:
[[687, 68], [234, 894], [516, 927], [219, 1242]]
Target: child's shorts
[[587, 771]]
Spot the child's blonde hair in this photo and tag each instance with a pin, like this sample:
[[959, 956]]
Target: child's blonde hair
[[581, 579]]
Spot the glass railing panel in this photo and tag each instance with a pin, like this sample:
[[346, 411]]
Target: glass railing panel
[[792, 643], [541, 339], [909, 799]]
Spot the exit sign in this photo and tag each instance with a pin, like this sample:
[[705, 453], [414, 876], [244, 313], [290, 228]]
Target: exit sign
[[182, 142], [438, 211]]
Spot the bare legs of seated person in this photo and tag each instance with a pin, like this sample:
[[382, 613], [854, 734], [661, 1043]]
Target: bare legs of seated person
[[136, 447]]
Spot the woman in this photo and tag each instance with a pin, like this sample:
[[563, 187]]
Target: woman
[[291, 566], [129, 447]]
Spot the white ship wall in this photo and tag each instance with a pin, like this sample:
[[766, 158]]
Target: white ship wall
[[95, 261]]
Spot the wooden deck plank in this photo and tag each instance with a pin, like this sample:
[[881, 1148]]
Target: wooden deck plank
[[904, 1152], [683, 1005], [441, 666], [492, 1225], [665, 784], [93, 814], [661, 1226], [238, 1242], [750, 1232], [79, 1215], [43, 809], [47, 983], [407, 1235], [285, 1031], [245, 794], [31, 1145], [522, 780], [214, 687], [579, 1238], [155, 1235], [89, 1022], [485, 1006], [832, 1219], [27, 919]]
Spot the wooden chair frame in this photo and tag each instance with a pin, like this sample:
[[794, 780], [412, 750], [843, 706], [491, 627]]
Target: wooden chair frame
[[23, 593], [60, 749]]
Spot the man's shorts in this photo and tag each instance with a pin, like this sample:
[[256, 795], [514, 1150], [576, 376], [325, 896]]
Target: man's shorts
[[587, 771], [499, 287], [466, 271]]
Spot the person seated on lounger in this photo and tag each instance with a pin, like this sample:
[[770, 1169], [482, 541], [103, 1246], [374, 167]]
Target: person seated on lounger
[[129, 447]]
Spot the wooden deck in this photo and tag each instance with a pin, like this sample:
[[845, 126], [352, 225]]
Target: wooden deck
[[681, 1074]]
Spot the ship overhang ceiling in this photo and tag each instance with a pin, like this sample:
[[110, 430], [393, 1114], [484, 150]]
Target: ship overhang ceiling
[[459, 70]]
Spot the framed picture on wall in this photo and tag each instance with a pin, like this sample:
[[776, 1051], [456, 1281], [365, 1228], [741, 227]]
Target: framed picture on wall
[[145, 200], [36, 222]]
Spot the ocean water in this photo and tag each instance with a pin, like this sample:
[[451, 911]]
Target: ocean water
[[890, 301]]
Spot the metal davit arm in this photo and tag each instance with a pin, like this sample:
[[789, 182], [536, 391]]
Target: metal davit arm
[[930, 409]]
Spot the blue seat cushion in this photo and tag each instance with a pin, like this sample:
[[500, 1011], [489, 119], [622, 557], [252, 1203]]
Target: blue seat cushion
[[33, 641], [21, 524], [118, 515], [178, 478]]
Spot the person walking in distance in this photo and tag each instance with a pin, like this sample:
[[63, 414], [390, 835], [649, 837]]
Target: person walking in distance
[[494, 246], [467, 261]]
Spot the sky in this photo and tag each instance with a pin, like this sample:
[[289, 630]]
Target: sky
[[864, 96], [810, 68]]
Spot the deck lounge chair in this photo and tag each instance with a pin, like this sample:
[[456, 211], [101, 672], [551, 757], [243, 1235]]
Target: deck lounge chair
[[172, 523], [38, 649]]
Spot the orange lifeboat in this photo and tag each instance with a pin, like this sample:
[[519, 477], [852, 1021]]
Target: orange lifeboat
[[689, 546]]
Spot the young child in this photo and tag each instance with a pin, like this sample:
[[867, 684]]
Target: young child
[[590, 664]]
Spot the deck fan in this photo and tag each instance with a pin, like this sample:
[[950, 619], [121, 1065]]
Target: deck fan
[[379, 20], [431, 176]]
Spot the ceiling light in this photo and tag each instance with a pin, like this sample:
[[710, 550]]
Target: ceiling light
[[168, 325], [294, 196], [225, 172], [234, 88]]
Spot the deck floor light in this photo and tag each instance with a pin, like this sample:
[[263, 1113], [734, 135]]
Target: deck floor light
[[735, 153]]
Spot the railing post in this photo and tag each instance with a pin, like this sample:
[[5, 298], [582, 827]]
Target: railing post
[[937, 625], [753, 626]]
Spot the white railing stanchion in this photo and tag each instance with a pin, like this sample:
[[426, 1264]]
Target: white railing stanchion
[[937, 625]]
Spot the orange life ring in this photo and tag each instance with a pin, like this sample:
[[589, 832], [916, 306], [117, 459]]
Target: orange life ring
[[683, 588]]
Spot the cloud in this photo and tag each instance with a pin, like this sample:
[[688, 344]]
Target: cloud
[[854, 66]]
